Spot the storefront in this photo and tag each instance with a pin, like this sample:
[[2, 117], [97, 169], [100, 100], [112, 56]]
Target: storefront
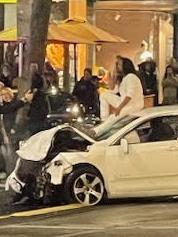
[[10, 13], [136, 21]]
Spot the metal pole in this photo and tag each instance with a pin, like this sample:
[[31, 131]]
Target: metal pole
[[75, 63], [20, 59]]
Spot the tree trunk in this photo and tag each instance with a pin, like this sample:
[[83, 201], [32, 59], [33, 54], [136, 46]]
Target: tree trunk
[[33, 20], [175, 47], [38, 32]]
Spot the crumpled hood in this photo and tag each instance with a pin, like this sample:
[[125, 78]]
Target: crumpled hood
[[37, 146]]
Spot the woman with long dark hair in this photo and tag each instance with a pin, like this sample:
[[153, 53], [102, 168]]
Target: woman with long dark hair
[[130, 93], [170, 86], [129, 98]]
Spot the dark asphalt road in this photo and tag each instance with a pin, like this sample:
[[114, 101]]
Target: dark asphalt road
[[119, 218]]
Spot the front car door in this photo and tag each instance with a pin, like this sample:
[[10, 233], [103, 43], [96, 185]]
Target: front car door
[[150, 167]]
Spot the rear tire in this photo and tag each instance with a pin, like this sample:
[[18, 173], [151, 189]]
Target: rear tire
[[85, 186]]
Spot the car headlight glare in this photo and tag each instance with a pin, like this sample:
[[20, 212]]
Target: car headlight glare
[[79, 120], [68, 109], [54, 90], [75, 109]]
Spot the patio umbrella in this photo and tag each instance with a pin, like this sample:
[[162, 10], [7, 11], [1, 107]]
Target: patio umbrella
[[9, 35], [73, 31], [84, 29], [55, 35]]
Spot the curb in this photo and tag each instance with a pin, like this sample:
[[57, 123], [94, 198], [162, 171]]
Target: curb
[[43, 211]]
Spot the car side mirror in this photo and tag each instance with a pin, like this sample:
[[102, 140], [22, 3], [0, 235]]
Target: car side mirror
[[88, 148], [124, 146]]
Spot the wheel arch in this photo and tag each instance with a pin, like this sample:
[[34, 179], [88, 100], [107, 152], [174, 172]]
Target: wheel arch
[[86, 165]]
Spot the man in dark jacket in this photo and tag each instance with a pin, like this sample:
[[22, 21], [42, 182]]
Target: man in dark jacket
[[147, 74], [86, 91], [38, 107]]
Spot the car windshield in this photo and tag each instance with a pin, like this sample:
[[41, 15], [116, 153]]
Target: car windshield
[[117, 126]]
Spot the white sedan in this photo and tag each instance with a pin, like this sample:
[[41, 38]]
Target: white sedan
[[138, 159]]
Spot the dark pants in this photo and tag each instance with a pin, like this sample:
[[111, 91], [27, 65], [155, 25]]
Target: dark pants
[[2, 162], [8, 158]]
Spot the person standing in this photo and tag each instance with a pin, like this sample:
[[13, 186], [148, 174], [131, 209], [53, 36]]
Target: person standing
[[39, 105], [8, 108], [148, 77], [170, 87], [85, 91], [6, 75]]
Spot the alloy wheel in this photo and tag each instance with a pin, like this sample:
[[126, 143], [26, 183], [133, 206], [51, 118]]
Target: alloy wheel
[[88, 189]]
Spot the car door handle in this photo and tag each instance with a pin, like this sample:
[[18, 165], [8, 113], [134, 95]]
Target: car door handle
[[173, 148]]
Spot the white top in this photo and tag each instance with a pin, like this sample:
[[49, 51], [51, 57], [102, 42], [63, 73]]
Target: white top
[[131, 87]]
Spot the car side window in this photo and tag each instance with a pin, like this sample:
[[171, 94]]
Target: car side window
[[157, 129], [163, 129], [132, 138]]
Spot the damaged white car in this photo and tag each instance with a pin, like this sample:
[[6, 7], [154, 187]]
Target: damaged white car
[[137, 157]]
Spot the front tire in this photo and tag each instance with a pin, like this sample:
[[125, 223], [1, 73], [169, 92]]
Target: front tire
[[85, 186]]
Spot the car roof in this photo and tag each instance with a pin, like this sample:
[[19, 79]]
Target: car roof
[[144, 114], [156, 110]]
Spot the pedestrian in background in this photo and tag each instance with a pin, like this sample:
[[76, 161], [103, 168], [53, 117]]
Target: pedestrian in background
[[8, 108], [85, 91], [39, 106], [51, 75], [148, 77], [6, 75], [170, 87]]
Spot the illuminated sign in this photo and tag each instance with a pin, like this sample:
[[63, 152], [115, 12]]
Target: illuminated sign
[[8, 1]]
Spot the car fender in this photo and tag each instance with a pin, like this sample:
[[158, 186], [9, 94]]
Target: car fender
[[70, 160]]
